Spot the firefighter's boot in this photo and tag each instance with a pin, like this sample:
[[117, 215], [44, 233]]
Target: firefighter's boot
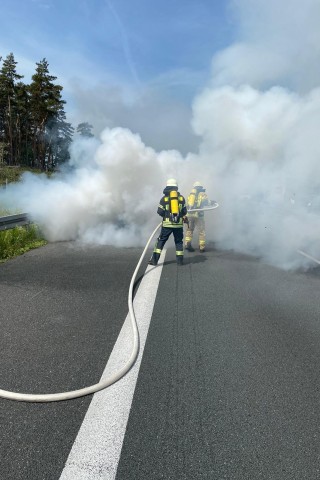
[[189, 247], [154, 259], [180, 260]]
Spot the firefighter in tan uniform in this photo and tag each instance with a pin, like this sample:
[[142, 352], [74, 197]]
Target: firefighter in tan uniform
[[196, 199], [172, 208]]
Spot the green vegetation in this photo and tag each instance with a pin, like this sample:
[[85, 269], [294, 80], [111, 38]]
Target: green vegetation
[[34, 136], [84, 129], [16, 241], [13, 174], [19, 240], [33, 127]]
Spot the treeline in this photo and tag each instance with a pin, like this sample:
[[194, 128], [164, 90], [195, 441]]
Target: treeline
[[33, 127]]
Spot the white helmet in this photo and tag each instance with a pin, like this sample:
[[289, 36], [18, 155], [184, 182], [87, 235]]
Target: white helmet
[[197, 184], [172, 182]]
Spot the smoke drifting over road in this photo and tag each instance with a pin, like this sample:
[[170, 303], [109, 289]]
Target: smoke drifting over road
[[108, 195], [259, 154], [258, 120], [264, 152]]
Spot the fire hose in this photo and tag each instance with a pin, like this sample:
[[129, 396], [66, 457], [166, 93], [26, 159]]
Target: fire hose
[[211, 207], [56, 397]]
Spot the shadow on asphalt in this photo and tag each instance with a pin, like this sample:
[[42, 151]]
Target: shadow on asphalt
[[200, 258], [193, 258], [312, 272]]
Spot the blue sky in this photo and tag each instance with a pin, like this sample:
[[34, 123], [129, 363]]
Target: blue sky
[[146, 56], [141, 63], [243, 74], [132, 41]]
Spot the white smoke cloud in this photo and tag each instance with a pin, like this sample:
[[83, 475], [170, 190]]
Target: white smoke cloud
[[262, 150], [162, 121], [109, 197], [278, 43], [258, 121]]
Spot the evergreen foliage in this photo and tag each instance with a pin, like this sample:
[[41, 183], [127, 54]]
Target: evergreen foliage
[[84, 129], [8, 109], [33, 128]]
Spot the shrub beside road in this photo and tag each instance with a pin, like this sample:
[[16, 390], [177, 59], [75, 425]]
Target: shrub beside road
[[18, 240]]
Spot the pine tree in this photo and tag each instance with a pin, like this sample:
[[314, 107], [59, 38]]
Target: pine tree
[[46, 105], [23, 125], [84, 129], [9, 109], [33, 126], [59, 137]]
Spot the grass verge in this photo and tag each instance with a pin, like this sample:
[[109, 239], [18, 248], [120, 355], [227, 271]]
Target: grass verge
[[19, 240], [13, 174]]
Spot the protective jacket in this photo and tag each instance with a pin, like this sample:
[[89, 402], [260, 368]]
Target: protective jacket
[[172, 208], [201, 200], [164, 209]]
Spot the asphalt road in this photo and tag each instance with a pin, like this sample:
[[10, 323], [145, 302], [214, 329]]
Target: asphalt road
[[62, 307], [229, 381]]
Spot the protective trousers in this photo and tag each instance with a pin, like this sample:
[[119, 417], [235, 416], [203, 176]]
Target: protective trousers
[[161, 240], [200, 224]]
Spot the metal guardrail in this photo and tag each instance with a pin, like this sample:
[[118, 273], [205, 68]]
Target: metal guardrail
[[12, 221]]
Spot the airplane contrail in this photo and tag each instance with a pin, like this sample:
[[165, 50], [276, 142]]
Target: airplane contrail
[[125, 44]]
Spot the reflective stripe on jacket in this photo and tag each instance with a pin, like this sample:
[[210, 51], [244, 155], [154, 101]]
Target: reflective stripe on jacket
[[201, 201], [164, 211]]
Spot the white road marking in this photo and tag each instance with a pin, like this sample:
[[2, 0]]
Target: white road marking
[[96, 451], [308, 256]]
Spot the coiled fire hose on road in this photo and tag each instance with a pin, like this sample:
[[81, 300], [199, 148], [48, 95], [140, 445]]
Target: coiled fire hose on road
[[56, 397]]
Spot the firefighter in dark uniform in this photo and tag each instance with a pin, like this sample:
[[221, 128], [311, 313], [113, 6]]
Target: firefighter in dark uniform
[[172, 208]]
